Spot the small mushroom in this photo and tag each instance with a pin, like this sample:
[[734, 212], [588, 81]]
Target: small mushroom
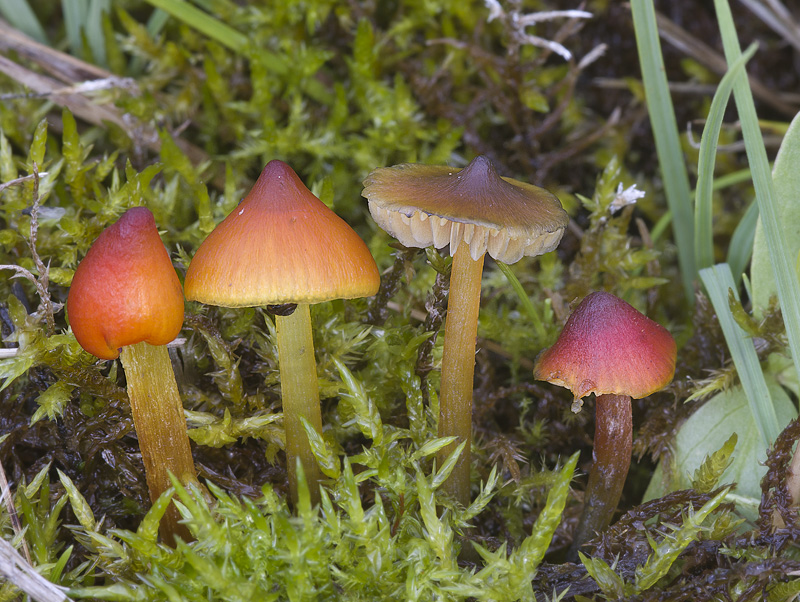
[[610, 349], [475, 211], [282, 245], [125, 301]]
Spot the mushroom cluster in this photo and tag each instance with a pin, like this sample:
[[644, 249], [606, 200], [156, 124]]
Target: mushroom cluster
[[282, 248]]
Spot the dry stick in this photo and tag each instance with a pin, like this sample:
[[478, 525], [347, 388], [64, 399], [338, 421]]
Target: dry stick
[[20, 573], [60, 65], [778, 19], [44, 271], [710, 58], [41, 283], [75, 72]]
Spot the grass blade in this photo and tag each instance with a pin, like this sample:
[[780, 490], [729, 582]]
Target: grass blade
[[718, 280], [530, 308], [665, 131], [741, 246], [703, 209], [22, 17], [788, 286], [204, 23]]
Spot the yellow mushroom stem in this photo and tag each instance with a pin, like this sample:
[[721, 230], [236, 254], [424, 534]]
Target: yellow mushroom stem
[[300, 395], [613, 443], [160, 427], [458, 367]]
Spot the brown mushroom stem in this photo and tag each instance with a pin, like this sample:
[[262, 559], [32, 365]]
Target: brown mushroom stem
[[613, 442], [300, 393], [458, 367], [160, 427]]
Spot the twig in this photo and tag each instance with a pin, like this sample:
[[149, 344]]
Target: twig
[[17, 181], [41, 283], [44, 270], [80, 78], [13, 351], [710, 58], [16, 570], [84, 87], [516, 22], [778, 19]]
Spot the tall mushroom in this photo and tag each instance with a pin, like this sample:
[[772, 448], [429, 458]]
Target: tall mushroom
[[475, 211], [610, 349], [125, 301], [280, 246]]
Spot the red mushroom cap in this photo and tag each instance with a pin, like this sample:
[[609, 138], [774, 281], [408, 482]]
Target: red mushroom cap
[[125, 290], [608, 347], [281, 245]]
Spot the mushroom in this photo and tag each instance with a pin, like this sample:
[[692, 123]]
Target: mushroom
[[475, 211], [125, 301], [610, 349], [280, 246]]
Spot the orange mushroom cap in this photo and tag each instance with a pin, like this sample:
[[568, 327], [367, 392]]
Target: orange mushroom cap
[[125, 290], [281, 245], [608, 347], [424, 205]]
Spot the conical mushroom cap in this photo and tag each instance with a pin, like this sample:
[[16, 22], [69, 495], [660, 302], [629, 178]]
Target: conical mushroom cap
[[608, 347], [424, 205], [281, 245], [125, 290]]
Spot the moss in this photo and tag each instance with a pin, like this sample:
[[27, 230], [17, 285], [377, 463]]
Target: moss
[[336, 89]]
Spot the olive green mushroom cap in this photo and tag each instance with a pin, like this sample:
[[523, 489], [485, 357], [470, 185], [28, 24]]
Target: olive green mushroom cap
[[435, 205]]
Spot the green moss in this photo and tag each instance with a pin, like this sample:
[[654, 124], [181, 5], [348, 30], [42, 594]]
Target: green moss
[[336, 89]]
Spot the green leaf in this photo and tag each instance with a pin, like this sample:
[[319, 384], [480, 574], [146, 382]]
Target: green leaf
[[531, 551], [328, 461], [666, 552], [366, 413], [786, 177], [706, 477], [612, 585], [447, 466], [709, 429], [80, 507], [431, 447], [38, 146], [52, 401], [438, 532]]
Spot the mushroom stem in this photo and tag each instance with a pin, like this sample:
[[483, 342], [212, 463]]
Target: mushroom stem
[[458, 367], [160, 427], [613, 442], [300, 393]]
